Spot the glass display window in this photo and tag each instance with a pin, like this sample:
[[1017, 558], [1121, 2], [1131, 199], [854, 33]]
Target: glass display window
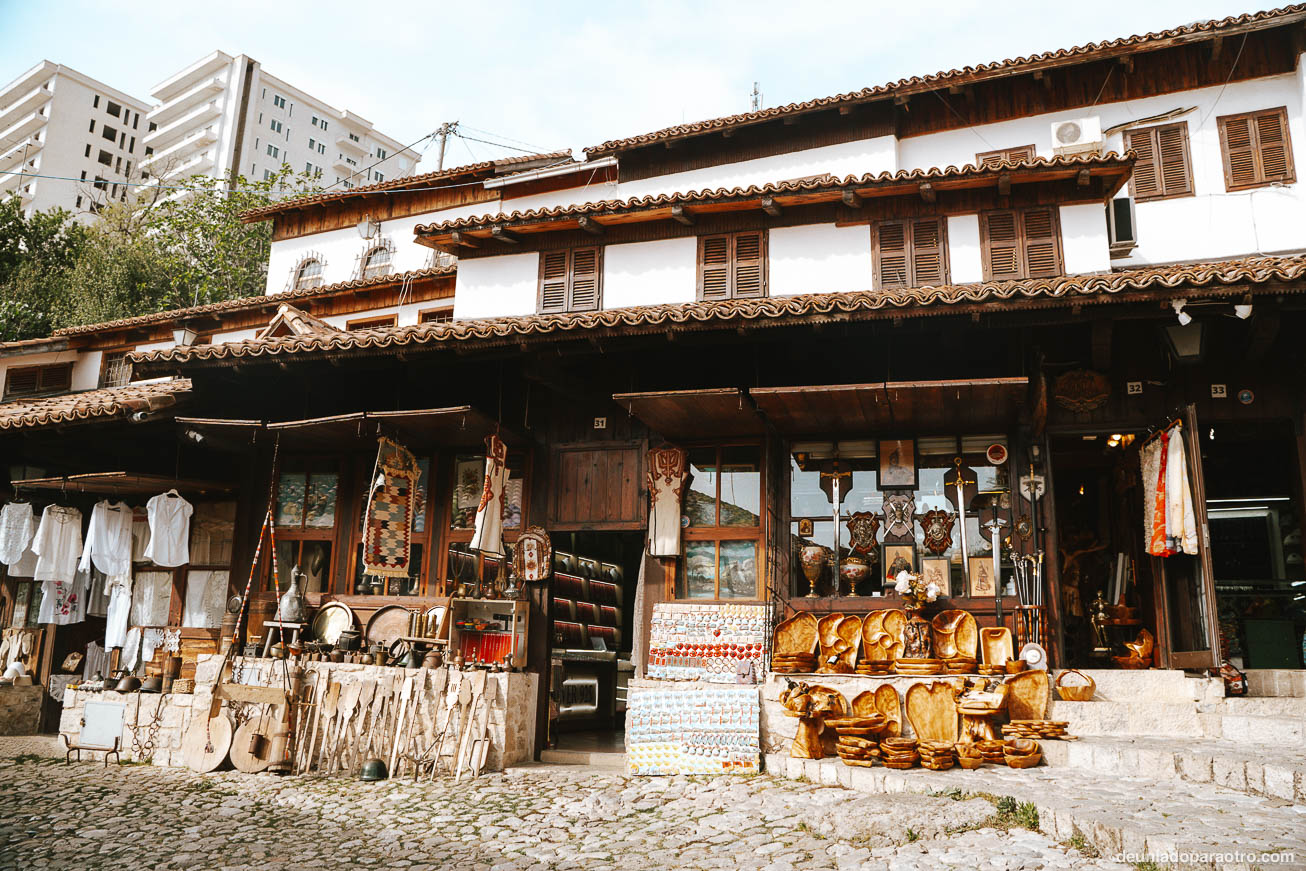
[[722, 524], [414, 583], [307, 500]]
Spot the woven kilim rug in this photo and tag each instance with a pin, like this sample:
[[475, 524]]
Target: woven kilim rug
[[389, 527]]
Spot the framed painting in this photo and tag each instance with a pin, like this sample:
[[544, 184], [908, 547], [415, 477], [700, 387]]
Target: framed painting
[[897, 464], [898, 558], [981, 577], [937, 570]]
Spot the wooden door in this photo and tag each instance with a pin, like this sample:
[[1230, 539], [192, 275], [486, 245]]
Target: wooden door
[[598, 487]]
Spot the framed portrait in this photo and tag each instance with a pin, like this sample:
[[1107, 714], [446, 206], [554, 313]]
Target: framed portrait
[[897, 464], [981, 577], [938, 570], [805, 527], [898, 558]]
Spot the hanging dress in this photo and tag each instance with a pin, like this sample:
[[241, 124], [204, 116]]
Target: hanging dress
[[488, 537], [666, 479]]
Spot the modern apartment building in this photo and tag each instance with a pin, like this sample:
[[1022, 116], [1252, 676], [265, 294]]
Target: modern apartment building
[[225, 113], [67, 140]]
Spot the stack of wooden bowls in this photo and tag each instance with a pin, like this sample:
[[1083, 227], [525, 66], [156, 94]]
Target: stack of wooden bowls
[[992, 751], [919, 667], [937, 755], [1021, 753], [875, 667], [961, 665], [969, 756], [793, 663], [1045, 729], [991, 669], [899, 753]]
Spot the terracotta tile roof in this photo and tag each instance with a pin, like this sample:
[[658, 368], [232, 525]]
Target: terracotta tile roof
[[108, 402], [826, 184], [771, 311], [996, 69], [250, 302], [427, 179]]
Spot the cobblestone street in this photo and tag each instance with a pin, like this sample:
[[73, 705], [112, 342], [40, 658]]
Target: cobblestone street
[[135, 816]]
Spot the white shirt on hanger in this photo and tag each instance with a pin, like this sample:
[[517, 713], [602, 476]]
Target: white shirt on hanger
[[169, 529], [17, 523], [108, 539], [58, 543]]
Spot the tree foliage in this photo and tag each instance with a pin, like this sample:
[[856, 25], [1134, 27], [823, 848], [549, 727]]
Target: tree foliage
[[170, 246]]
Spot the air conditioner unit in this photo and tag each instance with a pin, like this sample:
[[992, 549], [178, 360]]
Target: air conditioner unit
[[1077, 136]]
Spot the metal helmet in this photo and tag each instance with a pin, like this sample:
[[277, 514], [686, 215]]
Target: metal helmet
[[373, 769]]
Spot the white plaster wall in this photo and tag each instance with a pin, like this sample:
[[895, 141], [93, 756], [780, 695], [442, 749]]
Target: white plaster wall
[[86, 367], [965, 256], [819, 258], [497, 287], [1084, 243], [648, 273], [233, 336]]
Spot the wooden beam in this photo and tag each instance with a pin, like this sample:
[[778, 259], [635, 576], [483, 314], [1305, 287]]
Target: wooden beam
[[901, 99], [1217, 45], [790, 120], [463, 240], [846, 109], [851, 200], [1042, 76], [1127, 61], [1004, 184], [594, 228], [927, 192], [1101, 344], [682, 215], [771, 207], [503, 234], [1082, 179]]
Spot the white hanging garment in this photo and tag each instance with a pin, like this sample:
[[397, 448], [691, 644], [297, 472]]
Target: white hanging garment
[[488, 537], [26, 565], [1180, 518], [97, 595], [140, 535], [206, 599], [97, 660], [151, 640], [58, 543], [169, 529], [131, 650], [63, 602], [120, 605], [109, 539], [151, 596], [666, 479], [17, 525]]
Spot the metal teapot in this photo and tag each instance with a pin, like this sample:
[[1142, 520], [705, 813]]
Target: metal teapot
[[290, 609]]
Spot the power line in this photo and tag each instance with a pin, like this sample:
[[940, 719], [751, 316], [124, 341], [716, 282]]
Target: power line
[[383, 160], [496, 144], [507, 138]]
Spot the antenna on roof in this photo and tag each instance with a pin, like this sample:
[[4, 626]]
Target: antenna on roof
[[757, 97]]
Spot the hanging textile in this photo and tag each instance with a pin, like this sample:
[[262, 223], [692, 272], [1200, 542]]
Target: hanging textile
[[666, 479], [97, 595], [140, 534], [1149, 460], [119, 588], [108, 539], [206, 599], [169, 516], [96, 662], [151, 596], [58, 544], [1180, 519], [1156, 545], [63, 602], [488, 537], [388, 528], [17, 526]]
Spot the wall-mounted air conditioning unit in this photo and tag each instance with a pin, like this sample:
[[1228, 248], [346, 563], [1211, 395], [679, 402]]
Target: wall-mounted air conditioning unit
[[1077, 136]]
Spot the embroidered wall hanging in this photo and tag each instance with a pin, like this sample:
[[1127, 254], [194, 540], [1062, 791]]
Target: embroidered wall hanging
[[389, 527], [488, 537], [666, 479]]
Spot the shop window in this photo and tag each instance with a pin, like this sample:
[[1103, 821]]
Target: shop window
[[1021, 243], [208, 574], [732, 266], [570, 280], [38, 380], [306, 525], [463, 566], [411, 585], [910, 253], [723, 538], [1163, 168], [1005, 155], [1257, 149]]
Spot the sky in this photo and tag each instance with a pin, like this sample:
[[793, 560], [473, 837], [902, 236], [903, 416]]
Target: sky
[[547, 76]]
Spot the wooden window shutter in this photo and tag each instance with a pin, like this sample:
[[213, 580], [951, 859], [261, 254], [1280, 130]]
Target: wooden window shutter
[[1172, 153], [1146, 179], [553, 281], [1009, 155], [1273, 146], [1042, 242], [749, 265], [928, 254], [892, 267], [1002, 246], [586, 279], [1257, 149], [714, 268], [21, 382]]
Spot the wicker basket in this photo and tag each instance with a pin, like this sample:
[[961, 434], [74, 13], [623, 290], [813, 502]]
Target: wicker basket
[[1079, 693]]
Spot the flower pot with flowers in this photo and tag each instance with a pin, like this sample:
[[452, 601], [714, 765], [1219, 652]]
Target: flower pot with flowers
[[918, 643]]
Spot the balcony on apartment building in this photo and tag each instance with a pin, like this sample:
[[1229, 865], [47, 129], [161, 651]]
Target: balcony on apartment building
[[23, 185], [160, 162], [170, 133], [180, 82], [12, 156], [25, 126], [197, 164], [345, 168], [185, 101], [354, 146], [26, 102]]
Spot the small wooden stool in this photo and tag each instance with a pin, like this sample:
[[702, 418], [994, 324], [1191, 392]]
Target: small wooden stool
[[268, 625]]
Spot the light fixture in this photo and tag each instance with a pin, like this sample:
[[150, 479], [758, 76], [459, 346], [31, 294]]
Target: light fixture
[[184, 337], [1185, 340], [1243, 310], [367, 228], [1184, 317], [1211, 435]]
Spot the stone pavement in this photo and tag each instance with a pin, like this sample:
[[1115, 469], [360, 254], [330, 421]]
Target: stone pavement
[[531, 818]]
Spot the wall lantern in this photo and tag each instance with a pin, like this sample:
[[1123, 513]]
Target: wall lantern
[[184, 337], [1186, 341]]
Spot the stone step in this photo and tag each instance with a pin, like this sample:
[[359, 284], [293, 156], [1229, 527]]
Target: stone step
[[1272, 706], [1256, 729], [1282, 682], [1153, 684], [594, 759], [1140, 716], [1229, 764], [1169, 823]]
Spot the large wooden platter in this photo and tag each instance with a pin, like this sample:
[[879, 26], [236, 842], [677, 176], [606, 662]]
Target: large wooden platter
[[796, 635], [204, 748], [849, 631], [387, 625], [955, 634], [932, 711], [881, 700], [995, 645], [1028, 695], [882, 635]]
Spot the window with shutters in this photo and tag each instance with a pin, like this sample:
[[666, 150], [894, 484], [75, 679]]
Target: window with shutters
[[732, 266], [1164, 166], [1005, 155], [910, 253], [1257, 149], [1021, 243], [571, 280], [38, 380]]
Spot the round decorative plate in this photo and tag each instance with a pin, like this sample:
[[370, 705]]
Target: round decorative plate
[[387, 625], [997, 454], [1035, 655], [332, 619]]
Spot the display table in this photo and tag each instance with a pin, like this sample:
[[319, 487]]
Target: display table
[[692, 728]]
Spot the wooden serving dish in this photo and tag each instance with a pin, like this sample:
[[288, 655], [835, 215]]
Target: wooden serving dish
[[996, 647], [932, 711], [955, 634], [1028, 695], [884, 702], [795, 636], [1076, 692]]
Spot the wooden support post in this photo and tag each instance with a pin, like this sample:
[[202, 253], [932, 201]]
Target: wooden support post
[[682, 215], [851, 200], [771, 207], [1083, 178], [503, 234], [927, 192], [463, 240], [591, 226], [1004, 184]]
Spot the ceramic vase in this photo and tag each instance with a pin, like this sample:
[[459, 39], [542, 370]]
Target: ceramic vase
[[812, 559]]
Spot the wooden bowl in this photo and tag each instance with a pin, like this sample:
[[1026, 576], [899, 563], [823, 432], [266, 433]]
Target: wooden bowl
[[970, 763], [1075, 692], [1024, 761], [1015, 666]]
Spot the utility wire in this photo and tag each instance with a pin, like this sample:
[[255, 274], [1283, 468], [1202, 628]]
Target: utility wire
[[496, 144], [430, 135], [506, 138]]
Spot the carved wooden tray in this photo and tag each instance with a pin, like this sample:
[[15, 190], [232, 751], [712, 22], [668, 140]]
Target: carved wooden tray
[[881, 700], [932, 711], [955, 634], [996, 647], [849, 631], [827, 636], [882, 635], [1028, 695], [796, 635]]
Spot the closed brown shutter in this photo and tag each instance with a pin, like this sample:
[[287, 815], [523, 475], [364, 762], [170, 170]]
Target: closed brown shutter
[[1163, 167], [891, 249], [553, 281], [1002, 246], [1257, 149], [586, 276], [1042, 243], [33, 380], [1147, 176], [1008, 155], [927, 255], [714, 267], [1272, 144], [750, 265]]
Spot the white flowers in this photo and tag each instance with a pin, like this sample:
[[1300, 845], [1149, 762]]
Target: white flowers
[[903, 582], [932, 592]]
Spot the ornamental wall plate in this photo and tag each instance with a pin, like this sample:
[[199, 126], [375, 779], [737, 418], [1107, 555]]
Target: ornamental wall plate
[[937, 526], [532, 558], [1081, 390], [899, 514], [862, 529]]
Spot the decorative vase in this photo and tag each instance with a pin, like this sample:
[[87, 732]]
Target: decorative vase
[[812, 559], [917, 640], [291, 607], [854, 570]]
